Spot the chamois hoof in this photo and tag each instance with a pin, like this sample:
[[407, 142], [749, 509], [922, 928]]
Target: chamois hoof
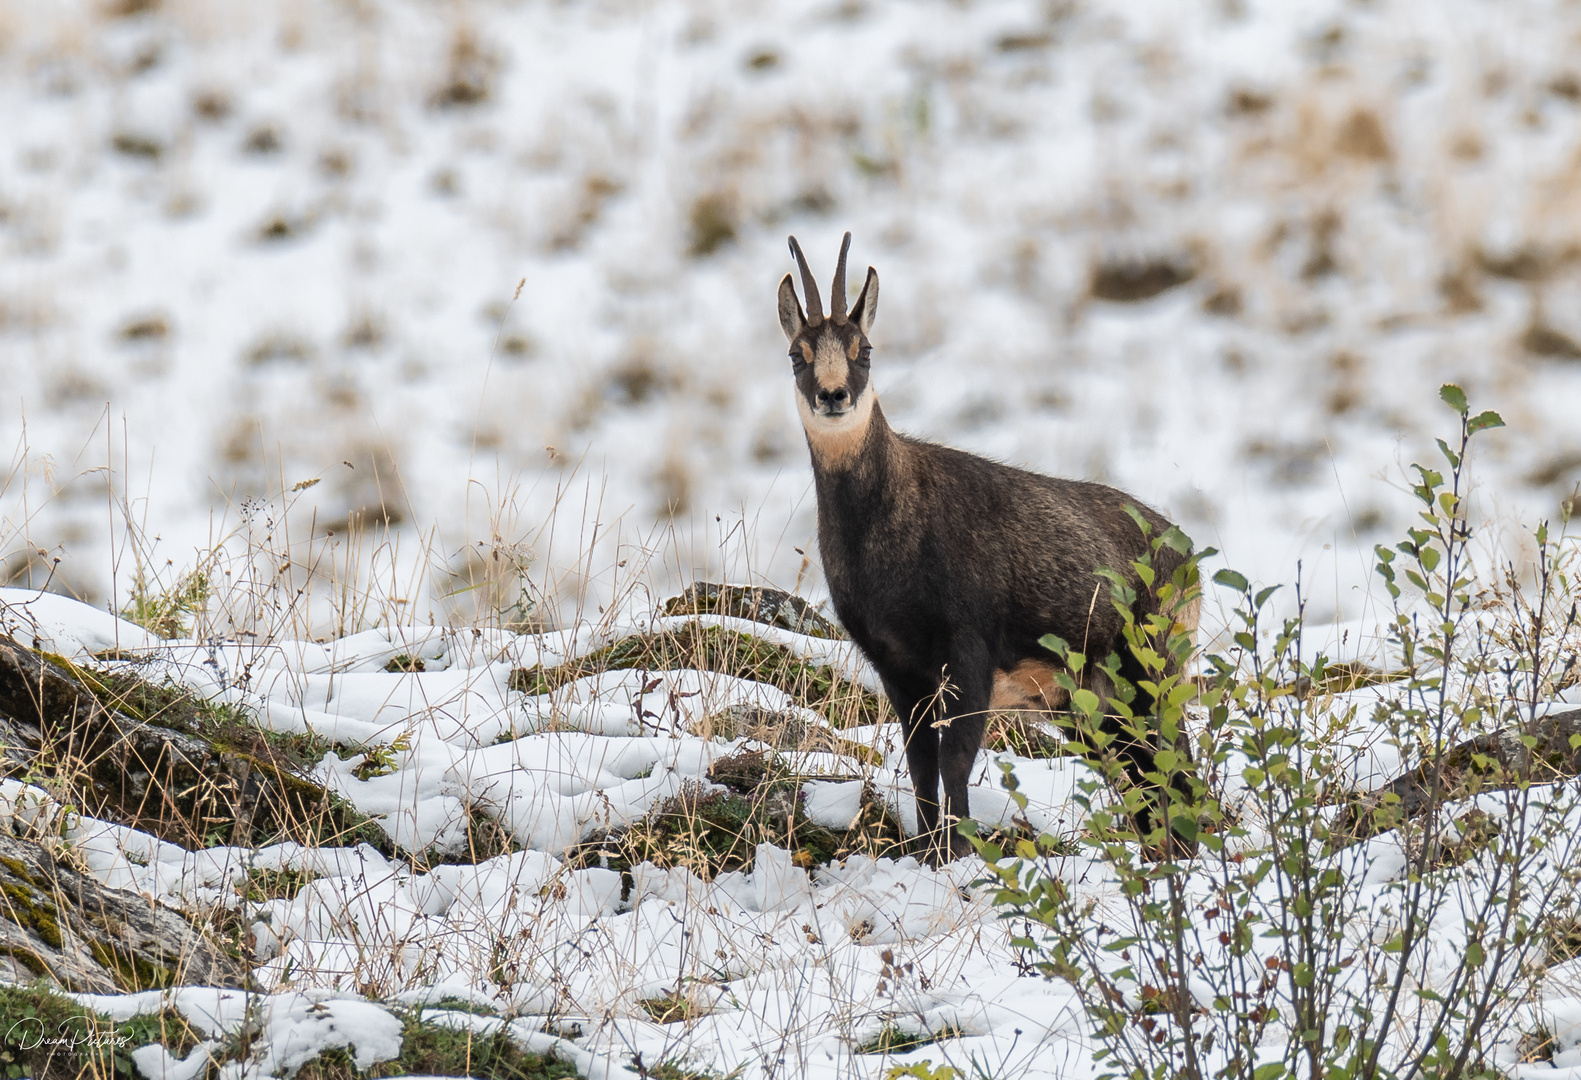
[[943, 848]]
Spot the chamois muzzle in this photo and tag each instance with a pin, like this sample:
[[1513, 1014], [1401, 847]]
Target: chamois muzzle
[[834, 402]]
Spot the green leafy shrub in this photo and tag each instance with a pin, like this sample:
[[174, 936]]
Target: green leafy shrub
[[1316, 930]]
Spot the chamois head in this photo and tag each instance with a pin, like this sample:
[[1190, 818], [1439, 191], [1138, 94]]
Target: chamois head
[[829, 356]]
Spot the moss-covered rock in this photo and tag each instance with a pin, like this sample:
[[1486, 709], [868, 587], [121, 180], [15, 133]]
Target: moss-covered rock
[[772, 607], [59, 924], [168, 764]]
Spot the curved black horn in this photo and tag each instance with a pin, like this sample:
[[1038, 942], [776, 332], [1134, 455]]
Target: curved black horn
[[808, 284], [837, 290]]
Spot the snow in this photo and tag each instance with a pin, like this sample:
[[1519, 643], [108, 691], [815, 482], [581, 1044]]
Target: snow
[[58, 624], [784, 968], [488, 312]]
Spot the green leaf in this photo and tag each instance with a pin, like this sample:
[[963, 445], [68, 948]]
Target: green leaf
[[1262, 597], [1482, 421], [1454, 397], [1474, 954], [1231, 580], [1272, 1071], [1054, 644], [1176, 540], [1141, 522], [1185, 827], [1085, 701]]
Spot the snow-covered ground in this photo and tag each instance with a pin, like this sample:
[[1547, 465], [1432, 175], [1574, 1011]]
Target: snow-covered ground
[[787, 972], [410, 248]]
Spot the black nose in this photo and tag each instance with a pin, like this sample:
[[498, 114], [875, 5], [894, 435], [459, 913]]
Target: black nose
[[836, 398]]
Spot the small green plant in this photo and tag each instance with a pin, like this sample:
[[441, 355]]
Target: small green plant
[[164, 611], [405, 664], [234, 728], [263, 884], [45, 1035], [167, 1027], [679, 1069], [672, 1008], [893, 1039], [922, 1070], [381, 759], [710, 832]]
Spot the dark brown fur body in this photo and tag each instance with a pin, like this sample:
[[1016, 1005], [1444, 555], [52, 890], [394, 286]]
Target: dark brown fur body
[[947, 568], [941, 563]]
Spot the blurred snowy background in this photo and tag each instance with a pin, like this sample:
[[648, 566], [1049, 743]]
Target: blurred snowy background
[[1218, 252]]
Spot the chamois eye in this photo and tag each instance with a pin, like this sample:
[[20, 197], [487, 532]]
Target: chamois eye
[[798, 361], [865, 355]]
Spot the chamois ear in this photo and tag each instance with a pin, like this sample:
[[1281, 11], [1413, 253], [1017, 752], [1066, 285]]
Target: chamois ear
[[866, 305], [791, 318]]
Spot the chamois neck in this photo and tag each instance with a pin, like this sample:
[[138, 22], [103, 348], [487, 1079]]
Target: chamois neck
[[859, 450]]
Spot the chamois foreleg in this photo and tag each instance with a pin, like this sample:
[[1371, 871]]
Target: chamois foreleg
[[917, 711], [968, 691]]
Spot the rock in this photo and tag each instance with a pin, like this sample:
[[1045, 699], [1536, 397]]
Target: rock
[[772, 607], [59, 924]]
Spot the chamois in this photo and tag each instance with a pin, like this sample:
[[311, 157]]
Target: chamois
[[946, 568]]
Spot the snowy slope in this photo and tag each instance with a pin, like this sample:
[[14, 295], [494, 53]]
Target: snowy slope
[[786, 971], [277, 237]]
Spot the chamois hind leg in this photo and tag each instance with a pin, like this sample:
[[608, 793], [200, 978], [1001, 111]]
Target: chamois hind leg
[[916, 714], [971, 677], [1140, 760], [1137, 754]]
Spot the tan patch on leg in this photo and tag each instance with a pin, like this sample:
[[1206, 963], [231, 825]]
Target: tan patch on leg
[[1186, 617], [1029, 685]]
